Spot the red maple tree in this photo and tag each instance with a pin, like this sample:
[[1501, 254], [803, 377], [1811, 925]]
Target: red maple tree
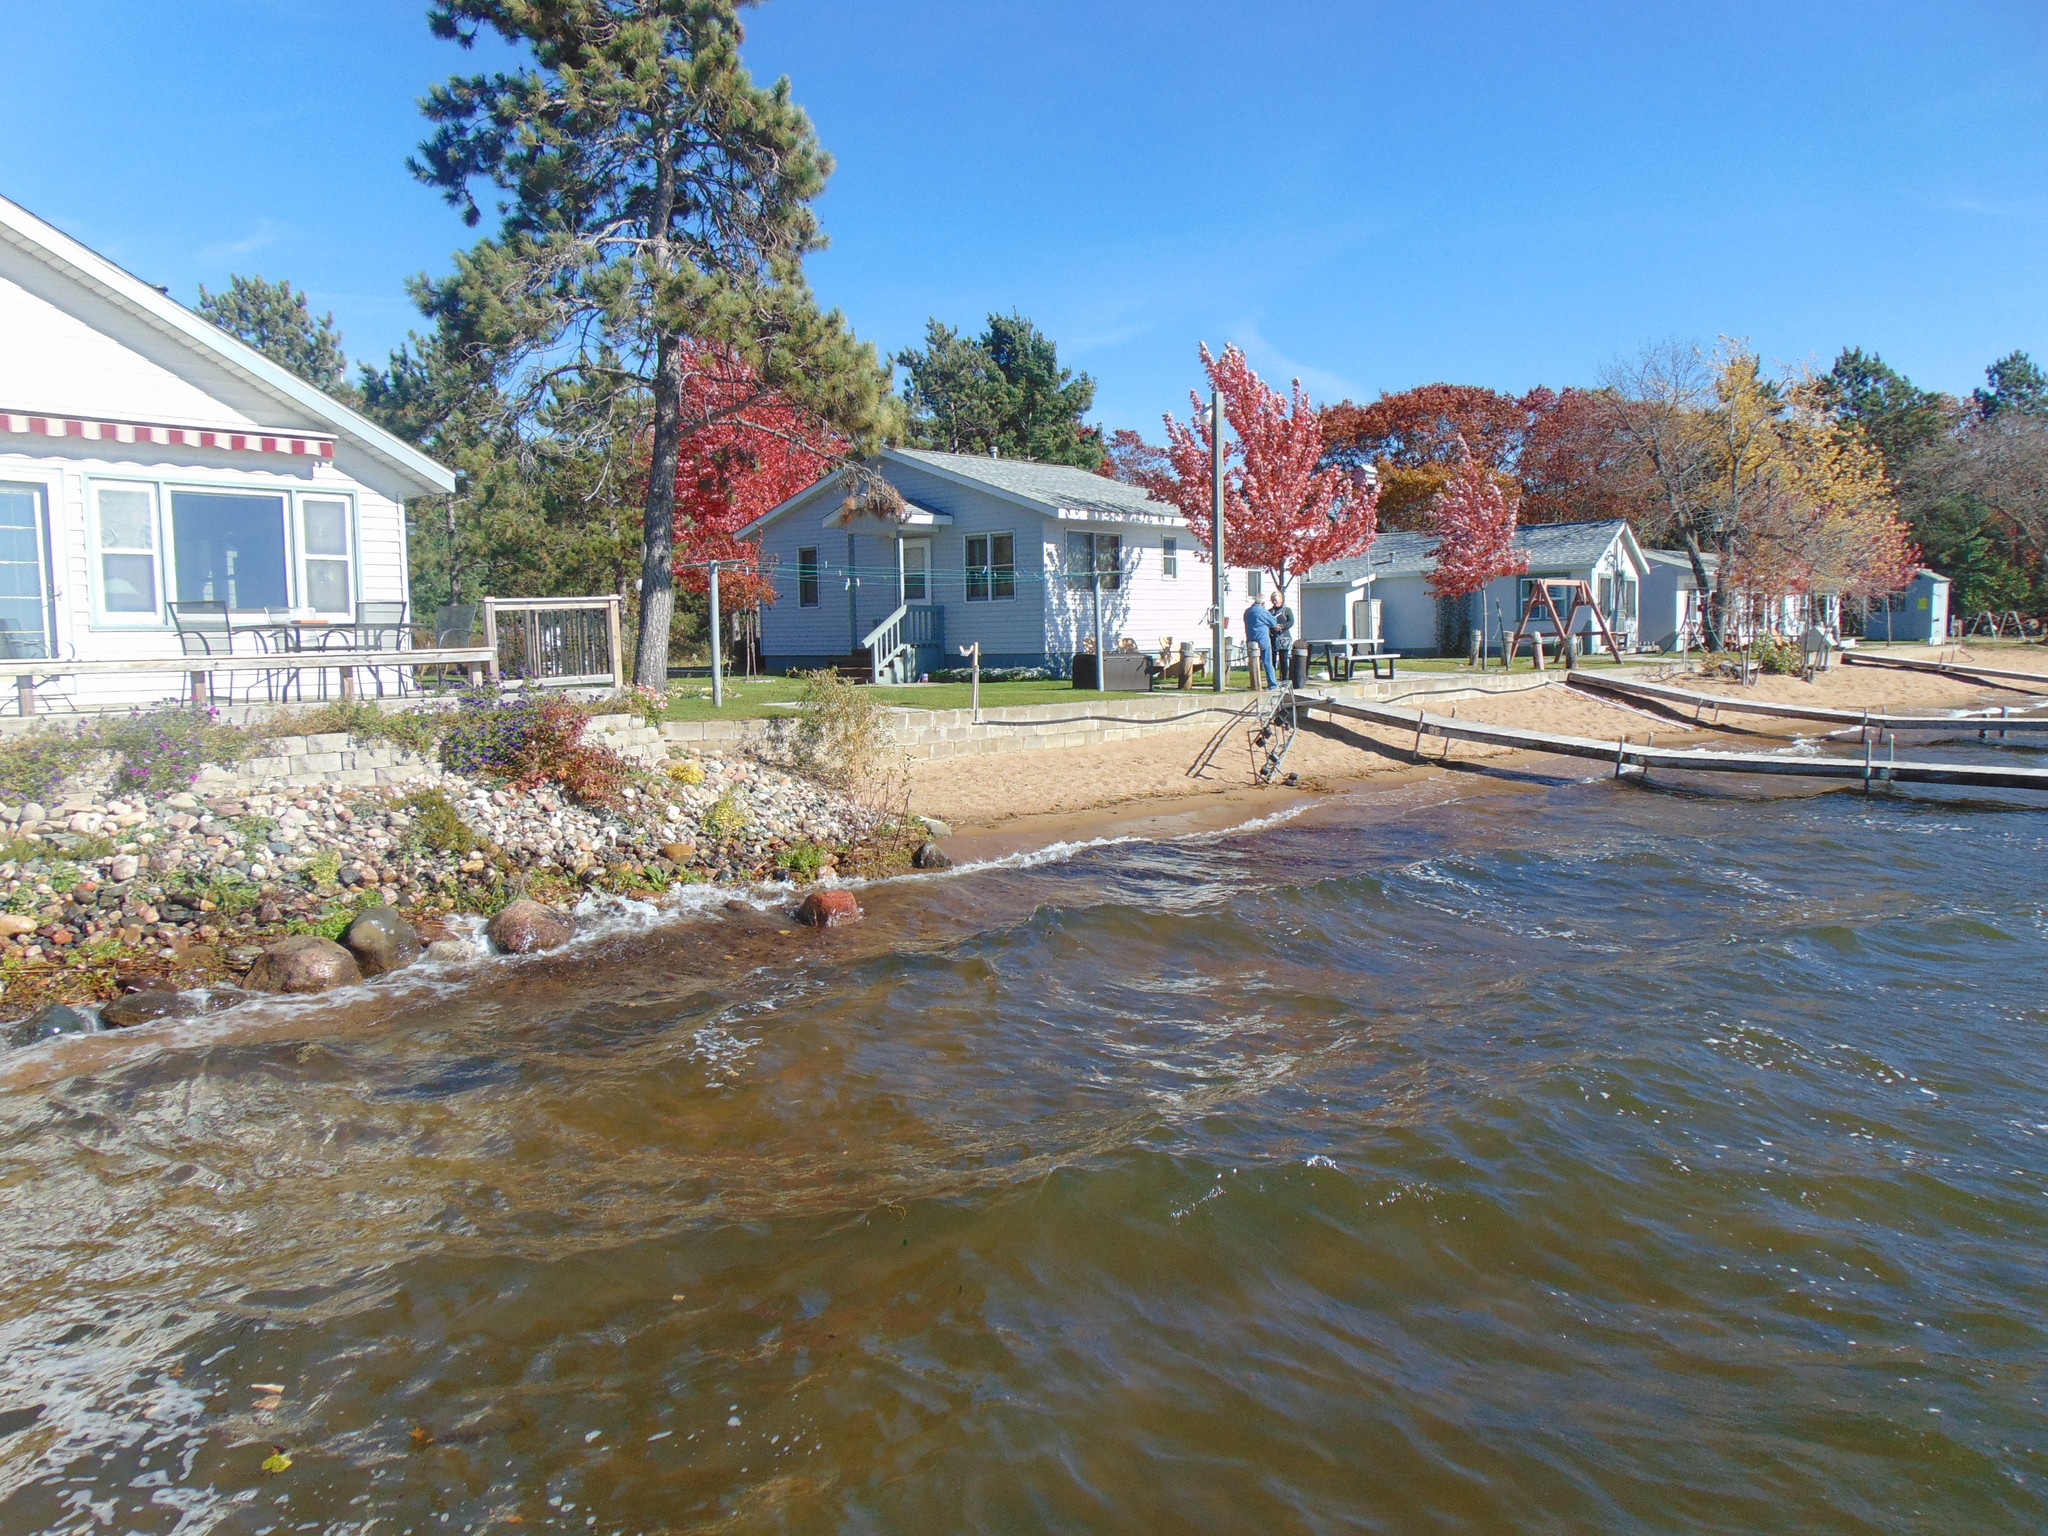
[[1281, 512], [1127, 457], [753, 452], [1473, 518]]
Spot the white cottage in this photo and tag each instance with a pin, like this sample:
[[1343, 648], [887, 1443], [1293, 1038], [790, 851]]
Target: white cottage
[[147, 458], [1384, 593], [1021, 556]]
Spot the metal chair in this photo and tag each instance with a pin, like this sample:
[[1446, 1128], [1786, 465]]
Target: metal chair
[[454, 625], [378, 626], [203, 628], [27, 648]]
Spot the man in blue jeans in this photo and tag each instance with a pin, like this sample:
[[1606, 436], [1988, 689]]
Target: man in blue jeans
[[1258, 642]]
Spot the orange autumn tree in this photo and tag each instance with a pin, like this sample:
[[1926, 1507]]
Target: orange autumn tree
[[1473, 519], [1282, 511], [756, 450]]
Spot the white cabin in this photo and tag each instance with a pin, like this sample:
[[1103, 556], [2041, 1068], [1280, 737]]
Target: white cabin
[[147, 458]]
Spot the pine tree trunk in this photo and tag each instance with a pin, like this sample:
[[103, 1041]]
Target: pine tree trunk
[[658, 534]]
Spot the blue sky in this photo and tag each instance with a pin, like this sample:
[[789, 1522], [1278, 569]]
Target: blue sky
[[1366, 195]]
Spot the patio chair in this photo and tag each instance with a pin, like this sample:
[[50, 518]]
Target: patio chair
[[203, 628], [454, 625], [378, 626]]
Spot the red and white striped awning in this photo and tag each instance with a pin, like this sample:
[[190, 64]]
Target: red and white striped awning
[[293, 444]]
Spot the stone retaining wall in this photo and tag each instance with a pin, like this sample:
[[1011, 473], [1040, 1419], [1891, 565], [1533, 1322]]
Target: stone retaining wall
[[337, 758]]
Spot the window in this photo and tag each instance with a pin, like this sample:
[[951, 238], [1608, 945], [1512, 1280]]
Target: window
[[991, 567], [229, 548], [1255, 583], [1169, 558], [126, 552], [1094, 558], [329, 584], [917, 570], [807, 578], [24, 605]]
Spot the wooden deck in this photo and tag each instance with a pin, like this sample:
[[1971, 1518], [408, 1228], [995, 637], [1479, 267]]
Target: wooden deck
[[477, 660], [1677, 700], [1871, 769]]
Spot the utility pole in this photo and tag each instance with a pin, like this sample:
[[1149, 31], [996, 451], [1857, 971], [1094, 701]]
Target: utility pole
[[717, 624], [1221, 653], [717, 659]]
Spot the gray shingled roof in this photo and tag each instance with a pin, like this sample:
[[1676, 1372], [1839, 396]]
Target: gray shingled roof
[[1549, 546], [1053, 485]]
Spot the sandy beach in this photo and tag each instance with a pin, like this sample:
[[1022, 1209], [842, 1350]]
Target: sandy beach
[[1064, 789]]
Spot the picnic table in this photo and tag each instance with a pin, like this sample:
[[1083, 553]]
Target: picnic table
[[1341, 658]]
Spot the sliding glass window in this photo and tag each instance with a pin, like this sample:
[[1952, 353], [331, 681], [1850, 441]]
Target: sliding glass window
[[24, 595], [229, 548]]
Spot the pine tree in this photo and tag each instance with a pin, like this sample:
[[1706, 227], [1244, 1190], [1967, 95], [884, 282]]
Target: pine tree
[[1004, 393], [2016, 385], [655, 200], [276, 319]]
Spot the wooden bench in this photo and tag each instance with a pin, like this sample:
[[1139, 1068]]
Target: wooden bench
[[479, 661]]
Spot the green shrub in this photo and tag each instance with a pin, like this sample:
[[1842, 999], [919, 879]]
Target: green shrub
[[1777, 654], [323, 870], [839, 738], [35, 764], [162, 750], [437, 826], [725, 819], [803, 861], [528, 740]]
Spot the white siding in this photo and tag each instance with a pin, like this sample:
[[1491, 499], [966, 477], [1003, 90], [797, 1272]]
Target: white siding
[[380, 571], [66, 352]]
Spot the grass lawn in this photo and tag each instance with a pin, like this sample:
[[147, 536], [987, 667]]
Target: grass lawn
[[753, 698]]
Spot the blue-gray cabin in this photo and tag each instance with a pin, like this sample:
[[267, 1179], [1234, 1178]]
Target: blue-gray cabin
[[1025, 558]]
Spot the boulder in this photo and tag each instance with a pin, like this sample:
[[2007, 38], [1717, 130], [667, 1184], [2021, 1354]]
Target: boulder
[[828, 909], [451, 949], [930, 856], [304, 963], [679, 853], [50, 1022], [127, 866], [527, 925], [381, 940], [936, 827], [13, 924], [133, 1008]]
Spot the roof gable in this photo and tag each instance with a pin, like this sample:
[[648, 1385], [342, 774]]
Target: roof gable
[[1549, 546], [208, 373], [1051, 488]]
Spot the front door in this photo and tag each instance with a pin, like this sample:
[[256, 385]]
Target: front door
[[917, 570]]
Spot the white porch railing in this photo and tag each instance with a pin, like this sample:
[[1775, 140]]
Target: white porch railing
[[888, 651]]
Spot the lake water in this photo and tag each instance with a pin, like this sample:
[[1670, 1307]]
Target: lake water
[[1473, 1157]]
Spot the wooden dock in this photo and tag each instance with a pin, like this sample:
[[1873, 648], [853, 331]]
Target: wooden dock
[[1870, 769], [1677, 700], [1998, 677]]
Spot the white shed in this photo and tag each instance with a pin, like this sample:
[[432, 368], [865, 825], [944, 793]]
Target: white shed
[[148, 458]]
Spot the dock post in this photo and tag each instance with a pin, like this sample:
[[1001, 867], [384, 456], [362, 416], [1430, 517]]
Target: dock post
[[1867, 745]]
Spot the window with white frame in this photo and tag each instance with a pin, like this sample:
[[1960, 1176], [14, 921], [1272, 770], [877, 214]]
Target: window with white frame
[[1169, 557], [991, 567], [127, 567], [327, 554], [229, 547]]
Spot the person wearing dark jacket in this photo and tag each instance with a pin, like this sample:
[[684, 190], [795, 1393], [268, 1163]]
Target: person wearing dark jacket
[[1283, 636]]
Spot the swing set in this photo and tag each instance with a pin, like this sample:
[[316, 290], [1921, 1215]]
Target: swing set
[[1543, 594]]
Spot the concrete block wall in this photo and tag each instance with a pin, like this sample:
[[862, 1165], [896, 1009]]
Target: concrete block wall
[[332, 758]]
